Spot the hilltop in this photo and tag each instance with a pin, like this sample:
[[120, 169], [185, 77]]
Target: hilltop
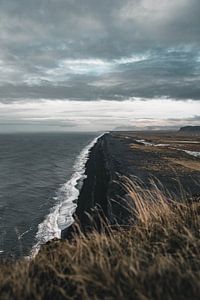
[[190, 129]]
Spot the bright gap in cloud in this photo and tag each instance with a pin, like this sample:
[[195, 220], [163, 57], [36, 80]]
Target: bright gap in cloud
[[99, 115], [91, 66]]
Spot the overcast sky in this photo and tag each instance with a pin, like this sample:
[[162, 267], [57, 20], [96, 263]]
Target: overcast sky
[[99, 64]]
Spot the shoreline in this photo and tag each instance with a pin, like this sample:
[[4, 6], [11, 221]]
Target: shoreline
[[134, 257], [61, 215], [122, 154]]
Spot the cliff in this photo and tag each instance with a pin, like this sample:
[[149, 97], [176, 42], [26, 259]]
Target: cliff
[[192, 129], [127, 263], [117, 154]]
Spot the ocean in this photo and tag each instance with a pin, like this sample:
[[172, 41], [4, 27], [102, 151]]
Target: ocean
[[40, 177]]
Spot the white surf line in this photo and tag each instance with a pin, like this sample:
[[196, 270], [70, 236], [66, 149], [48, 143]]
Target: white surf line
[[61, 215], [24, 233]]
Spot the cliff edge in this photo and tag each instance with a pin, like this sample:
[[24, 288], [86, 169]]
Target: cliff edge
[[141, 155]]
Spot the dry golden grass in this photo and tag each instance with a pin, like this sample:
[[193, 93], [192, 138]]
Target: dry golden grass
[[155, 257], [187, 163]]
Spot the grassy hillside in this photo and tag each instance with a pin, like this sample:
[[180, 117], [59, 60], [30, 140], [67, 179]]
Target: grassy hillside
[[155, 257]]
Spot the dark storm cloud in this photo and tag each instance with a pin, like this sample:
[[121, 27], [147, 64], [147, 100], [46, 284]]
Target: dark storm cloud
[[108, 49]]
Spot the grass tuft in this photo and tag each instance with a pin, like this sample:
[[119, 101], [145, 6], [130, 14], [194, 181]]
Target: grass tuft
[[155, 257]]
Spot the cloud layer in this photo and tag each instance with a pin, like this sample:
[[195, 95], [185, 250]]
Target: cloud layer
[[97, 115], [92, 50], [107, 49]]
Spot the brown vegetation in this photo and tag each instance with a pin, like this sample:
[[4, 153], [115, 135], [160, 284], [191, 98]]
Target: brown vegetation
[[186, 163], [155, 257]]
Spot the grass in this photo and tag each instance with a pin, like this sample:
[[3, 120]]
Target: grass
[[155, 257]]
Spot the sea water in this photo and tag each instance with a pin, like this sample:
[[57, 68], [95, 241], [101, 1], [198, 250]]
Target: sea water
[[40, 178]]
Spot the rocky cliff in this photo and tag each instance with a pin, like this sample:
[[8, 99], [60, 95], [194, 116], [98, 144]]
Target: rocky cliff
[[101, 193], [117, 154]]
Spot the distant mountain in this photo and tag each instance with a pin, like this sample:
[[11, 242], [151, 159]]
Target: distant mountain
[[190, 129]]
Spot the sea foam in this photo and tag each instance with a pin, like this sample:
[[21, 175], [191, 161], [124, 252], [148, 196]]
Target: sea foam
[[61, 215]]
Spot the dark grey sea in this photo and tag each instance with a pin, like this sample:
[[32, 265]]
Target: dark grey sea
[[39, 177]]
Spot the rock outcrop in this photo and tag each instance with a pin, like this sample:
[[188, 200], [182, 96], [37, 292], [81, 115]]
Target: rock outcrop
[[192, 129]]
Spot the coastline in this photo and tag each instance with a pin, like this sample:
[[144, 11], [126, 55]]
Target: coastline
[[137, 253], [119, 154], [61, 215]]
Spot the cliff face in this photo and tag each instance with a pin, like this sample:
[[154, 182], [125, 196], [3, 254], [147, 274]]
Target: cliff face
[[100, 194], [117, 154], [95, 188]]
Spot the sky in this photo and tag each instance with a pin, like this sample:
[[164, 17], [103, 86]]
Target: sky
[[90, 65]]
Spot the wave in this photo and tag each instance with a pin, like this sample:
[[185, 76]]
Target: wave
[[61, 215]]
